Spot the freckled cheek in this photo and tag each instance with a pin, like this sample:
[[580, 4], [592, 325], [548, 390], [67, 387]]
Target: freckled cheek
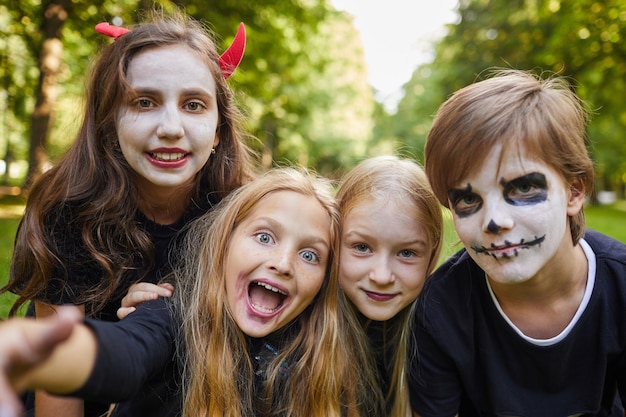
[[312, 286]]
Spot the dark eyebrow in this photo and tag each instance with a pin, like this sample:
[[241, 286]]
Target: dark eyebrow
[[139, 91], [197, 92], [535, 178]]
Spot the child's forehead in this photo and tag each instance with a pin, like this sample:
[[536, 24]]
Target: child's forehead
[[507, 162]]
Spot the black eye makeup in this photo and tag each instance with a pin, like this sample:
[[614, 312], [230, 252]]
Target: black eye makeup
[[528, 189], [464, 201]]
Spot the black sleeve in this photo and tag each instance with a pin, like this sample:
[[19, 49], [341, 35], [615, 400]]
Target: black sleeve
[[131, 352]]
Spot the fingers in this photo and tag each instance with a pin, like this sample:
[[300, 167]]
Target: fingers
[[142, 292], [168, 287], [10, 405], [57, 329], [25, 343], [123, 312]]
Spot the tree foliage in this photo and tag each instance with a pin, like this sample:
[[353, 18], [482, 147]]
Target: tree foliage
[[302, 83], [583, 40]]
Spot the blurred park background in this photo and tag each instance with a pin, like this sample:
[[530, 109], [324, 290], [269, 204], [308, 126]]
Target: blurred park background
[[303, 83]]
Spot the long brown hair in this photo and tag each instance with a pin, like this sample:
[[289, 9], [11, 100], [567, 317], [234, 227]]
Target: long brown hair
[[94, 179], [326, 376]]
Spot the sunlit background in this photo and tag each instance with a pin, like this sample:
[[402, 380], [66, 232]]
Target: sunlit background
[[323, 83]]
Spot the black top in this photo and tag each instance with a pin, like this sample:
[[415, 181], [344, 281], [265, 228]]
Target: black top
[[466, 357], [138, 366], [79, 274]]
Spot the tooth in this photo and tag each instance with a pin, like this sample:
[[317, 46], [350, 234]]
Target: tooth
[[270, 288], [168, 156]]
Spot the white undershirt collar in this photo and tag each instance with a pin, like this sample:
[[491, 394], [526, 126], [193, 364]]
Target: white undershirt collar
[[591, 279]]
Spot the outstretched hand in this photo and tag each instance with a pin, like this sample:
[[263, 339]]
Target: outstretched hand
[[25, 343]]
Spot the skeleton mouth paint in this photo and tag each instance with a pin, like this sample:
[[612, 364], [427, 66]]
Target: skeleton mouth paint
[[265, 298], [509, 249]]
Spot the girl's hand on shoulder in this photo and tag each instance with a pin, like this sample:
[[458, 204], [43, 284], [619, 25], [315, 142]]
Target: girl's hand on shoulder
[[142, 292]]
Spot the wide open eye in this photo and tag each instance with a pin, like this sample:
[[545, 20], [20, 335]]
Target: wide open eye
[[264, 238], [310, 256]]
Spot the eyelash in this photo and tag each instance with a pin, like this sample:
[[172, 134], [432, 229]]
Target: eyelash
[[150, 104], [259, 236]]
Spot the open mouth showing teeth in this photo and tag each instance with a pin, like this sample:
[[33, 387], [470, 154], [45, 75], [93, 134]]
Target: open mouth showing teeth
[[265, 298], [162, 156]]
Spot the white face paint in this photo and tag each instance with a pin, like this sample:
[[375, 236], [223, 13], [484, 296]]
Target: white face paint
[[512, 215], [167, 129], [383, 258]]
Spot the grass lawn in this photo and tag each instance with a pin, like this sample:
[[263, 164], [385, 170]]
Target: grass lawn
[[11, 209], [609, 219]]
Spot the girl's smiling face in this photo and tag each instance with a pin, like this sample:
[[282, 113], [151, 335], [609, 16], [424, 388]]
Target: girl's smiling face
[[383, 258], [277, 261], [512, 215], [167, 127]]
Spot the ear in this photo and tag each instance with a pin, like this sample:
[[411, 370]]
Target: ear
[[576, 197]]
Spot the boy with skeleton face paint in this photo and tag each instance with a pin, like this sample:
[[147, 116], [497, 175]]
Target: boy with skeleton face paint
[[528, 319]]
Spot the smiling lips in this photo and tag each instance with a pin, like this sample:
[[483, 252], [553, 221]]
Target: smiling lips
[[265, 298], [168, 160], [376, 296], [509, 249], [167, 156]]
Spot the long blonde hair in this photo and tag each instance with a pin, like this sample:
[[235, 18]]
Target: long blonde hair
[[325, 374], [390, 177]]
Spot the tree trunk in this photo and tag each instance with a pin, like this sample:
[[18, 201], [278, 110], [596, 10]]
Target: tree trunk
[[50, 58]]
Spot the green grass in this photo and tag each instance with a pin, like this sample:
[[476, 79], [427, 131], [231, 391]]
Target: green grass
[[609, 219], [11, 209]]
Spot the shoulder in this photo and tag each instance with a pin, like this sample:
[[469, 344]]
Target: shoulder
[[456, 272], [453, 289], [606, 248]]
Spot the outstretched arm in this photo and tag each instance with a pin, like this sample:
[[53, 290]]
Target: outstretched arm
[[48, 405], [56, 354]]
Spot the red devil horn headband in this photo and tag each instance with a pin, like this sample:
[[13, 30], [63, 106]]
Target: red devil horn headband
[[229, 60]]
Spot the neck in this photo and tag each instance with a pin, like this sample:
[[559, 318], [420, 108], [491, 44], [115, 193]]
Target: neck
[[165, 207], [545, 304]]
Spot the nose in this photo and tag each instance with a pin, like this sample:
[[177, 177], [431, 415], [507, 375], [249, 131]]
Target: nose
[[170, 126], [281, 262], [497, 218], [381, 272]]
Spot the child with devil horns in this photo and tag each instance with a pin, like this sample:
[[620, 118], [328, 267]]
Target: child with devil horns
[[160, 144]]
